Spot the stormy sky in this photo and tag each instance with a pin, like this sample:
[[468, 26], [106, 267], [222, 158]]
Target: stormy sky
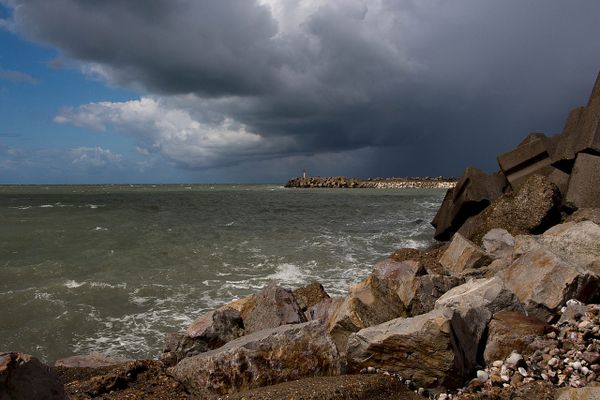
[[258, 90]]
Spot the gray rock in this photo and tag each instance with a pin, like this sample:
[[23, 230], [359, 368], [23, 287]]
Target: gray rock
[[499, 244], [543, 282], [23, 377], [463, 254], [368, 303], [471, 195], [266, 357], [273, 306], [425, 349], [575, 242], [584, 185], [476, 302], [210, 331], [427, 289], [532, 156], [585, 214]]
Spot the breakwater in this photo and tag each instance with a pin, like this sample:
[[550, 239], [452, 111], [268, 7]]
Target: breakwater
[[371, 183]]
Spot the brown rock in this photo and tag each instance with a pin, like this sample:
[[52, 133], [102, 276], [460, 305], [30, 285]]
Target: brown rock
[[531, 209], [323, 310], [427, 257], [273, 306], [210, 331], [427, 289], [310, 295], [585, 214], [425, 349], [92, 360], [266, 357], [23, 377], [543, 282], [463, 254], [510, 330], [368, 303]]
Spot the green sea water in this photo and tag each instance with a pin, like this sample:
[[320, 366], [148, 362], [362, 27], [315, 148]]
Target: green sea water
[[113, 268]]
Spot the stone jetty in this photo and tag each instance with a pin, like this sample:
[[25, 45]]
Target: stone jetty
[[507, 308], [371, 183]]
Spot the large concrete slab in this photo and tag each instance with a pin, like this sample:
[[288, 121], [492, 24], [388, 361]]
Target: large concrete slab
[[584, 185]]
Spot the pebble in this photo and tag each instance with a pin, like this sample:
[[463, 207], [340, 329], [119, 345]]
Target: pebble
[[498, 363], [482, 375], [371, 370], [514, 359], [576, 365], [522, 371], [553, 361]]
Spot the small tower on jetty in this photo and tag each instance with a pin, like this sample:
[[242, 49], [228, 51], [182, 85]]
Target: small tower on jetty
[[304, 173]]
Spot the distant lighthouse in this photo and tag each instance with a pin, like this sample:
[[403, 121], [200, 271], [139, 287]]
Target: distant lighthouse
[[304, 173]]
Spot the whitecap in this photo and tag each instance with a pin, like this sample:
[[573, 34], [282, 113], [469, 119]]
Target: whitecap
[[71, 284], [47, 206], [100, 228]]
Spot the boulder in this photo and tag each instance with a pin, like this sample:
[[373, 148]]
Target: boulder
[[471, 195], [426, 290], [310, 295], [417, 290], [585, 393], [533, 208], [543, 282], [584, 185], [498, 243], [575, 242], [532, 156], [463, 254], [476, 302], [273, 306], [323, 310], [210, 331], [427, 257], [266, 357], [23, 377], [581, 133], [585, 214], [425, 349], [368, 303], [92, 360], [510, 331]]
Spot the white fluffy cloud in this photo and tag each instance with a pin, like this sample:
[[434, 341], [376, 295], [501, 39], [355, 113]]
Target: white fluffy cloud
[[95, 157], [174, 132]]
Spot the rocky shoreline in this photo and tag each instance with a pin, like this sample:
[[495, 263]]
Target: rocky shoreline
[[508, 307], [371, 183]]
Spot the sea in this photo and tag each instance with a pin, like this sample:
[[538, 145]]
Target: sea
[[113, 268]]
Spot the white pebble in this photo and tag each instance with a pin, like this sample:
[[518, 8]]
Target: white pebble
[[522, 371], [552, 362], [498, 363], [585, 370], [443, 396], [576, 365], [505, 378], [482, 375]]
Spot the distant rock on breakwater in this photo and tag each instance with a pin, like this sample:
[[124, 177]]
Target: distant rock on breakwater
[[372, 183]]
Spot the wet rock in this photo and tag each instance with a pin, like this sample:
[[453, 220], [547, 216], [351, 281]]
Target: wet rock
[[543, 282], [273, 306], [533, 208], [23, 377], [368, 303], [499, 244], [463, 254], [575, 242], [471, 195], [476, 302], [424, 349], [508, 331], [92, 360], [584, 185], [210, 331], [310, 295], [266, 357]]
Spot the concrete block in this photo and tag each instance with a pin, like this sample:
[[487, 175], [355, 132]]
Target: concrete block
[[471, 195], [532, 156], [584, 185]]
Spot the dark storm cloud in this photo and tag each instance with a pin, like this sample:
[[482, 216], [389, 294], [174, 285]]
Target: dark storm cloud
[[435, 85]]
